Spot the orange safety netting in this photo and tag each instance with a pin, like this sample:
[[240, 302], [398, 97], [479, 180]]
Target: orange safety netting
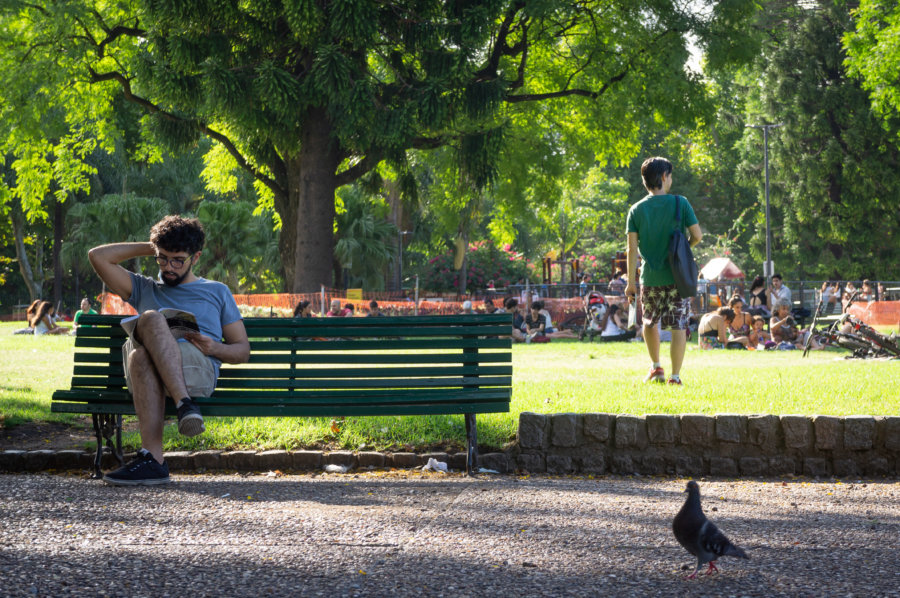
[[877, 313], [282, 305]]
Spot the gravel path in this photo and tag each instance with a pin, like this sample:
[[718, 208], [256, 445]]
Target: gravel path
[[422, 534]]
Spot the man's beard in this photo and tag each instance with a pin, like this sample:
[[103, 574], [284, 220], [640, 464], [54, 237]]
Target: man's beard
[[172, 281]]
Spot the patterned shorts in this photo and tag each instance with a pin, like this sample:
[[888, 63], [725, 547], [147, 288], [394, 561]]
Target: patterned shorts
[[663, 305]]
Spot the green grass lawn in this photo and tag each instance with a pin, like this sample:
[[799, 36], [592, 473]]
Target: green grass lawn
[[562, 376]]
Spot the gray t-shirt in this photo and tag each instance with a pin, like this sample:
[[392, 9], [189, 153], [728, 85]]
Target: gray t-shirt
[[212, 303]]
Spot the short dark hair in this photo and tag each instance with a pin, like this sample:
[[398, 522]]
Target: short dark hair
[[373, 304], [778, 276], [511, 303], [174, 233], [652, 171], [538, 305], [488, 301]]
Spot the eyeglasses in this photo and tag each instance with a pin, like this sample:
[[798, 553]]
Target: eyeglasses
[[175, 262]]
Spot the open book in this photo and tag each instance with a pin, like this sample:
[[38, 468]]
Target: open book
[[179, 322]]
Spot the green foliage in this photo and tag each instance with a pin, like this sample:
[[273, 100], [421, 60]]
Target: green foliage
[[367, 240], [873, 52], [832, 202], [485, 263]]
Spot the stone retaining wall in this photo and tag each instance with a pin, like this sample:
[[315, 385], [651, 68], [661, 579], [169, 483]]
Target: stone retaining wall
[[596, 443], [720, 445]]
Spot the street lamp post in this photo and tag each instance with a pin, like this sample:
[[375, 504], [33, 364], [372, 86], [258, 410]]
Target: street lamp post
[[767, 267]]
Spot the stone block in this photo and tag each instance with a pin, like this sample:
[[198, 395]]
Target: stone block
[[594, 463], [797, 431], [689, 466], [71, 459], [498, 462], [891, 434], [12, 460], [458, 461], [597, 426], [878, 467], [697, 429], [532, 430], [662, 429], [816, 468], [630, 432], [622, 464], [532, 463], [180, 460], [652, 465], [371, 460], [342, 458], [828, 431], [38, 460], [406, 460], [731, 428], [753, 466], [859, 432], [564, 430], [560, 464], [845, 468], [307, 460], [239, 460], [762, 431], [722, 466], [208, 460], [782, 466]]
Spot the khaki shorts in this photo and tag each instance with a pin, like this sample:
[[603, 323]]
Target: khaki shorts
[[199, 372]]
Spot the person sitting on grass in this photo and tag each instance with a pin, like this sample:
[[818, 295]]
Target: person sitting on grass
[[739, 328], [713, 328], [758, 335], [782, 325], [535, 323], [374, 310], [336, 311], [518, 324], [303, 309], [612, 327], [157, 365], [86, 310], [42, 321]]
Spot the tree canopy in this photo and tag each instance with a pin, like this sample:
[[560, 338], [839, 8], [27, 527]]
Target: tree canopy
[[309, 95]]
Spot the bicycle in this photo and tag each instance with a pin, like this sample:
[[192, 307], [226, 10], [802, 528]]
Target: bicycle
[[849, 332]]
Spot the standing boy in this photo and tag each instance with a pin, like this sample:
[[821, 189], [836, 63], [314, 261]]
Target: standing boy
[[649, 226]]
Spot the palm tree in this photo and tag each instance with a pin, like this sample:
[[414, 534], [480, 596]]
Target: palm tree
[[365, 239]]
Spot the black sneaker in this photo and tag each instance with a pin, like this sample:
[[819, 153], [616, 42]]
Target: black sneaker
[[190, 421], [143, 470]]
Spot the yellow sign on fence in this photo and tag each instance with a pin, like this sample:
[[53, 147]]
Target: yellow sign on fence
[[354, 294]]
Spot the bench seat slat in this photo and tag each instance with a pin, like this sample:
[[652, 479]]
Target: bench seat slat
[[305, 411], [267, 383], [304, 372], [338, 345]]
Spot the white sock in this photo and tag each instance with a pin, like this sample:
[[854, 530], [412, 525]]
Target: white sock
[[656, 365]]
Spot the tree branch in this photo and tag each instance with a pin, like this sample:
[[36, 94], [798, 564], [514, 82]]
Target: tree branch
[[205, 129], [369, 162]]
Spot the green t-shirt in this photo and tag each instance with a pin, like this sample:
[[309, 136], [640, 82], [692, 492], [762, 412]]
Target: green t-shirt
[[653, 219], [78, 313]]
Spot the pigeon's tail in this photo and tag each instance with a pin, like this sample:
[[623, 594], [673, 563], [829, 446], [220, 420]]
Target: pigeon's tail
[[736, 552]]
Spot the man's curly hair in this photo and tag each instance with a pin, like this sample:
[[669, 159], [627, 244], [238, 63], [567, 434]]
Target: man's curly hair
[[174, 233]]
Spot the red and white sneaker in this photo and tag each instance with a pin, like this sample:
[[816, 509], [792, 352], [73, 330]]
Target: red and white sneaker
[[674, 382], [656, 375]]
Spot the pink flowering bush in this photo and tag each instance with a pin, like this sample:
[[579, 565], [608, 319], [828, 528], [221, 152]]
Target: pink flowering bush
[[485, 263]]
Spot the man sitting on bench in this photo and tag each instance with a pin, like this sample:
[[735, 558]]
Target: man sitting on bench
[[157, 365]]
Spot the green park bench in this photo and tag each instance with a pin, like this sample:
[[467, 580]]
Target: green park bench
[[319, 367]]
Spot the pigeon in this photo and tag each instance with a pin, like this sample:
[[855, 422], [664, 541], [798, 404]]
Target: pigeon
[[699, 536]]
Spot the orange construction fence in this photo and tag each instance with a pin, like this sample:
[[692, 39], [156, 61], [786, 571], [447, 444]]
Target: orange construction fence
[[877, 313]]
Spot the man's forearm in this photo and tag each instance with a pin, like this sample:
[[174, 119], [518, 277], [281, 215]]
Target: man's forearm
[[115, 253], [632, 264], [231, 353]]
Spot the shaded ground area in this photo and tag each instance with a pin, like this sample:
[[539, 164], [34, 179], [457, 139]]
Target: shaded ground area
[[31, 436], [417, 534]]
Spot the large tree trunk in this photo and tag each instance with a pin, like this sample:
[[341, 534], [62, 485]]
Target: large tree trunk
[[32, 277], [307, 213]]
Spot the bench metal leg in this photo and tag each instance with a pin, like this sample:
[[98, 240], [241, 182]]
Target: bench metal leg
[[105, 425], [471, 444]]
